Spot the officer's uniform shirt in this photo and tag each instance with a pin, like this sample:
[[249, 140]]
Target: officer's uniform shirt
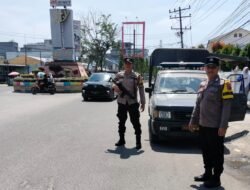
[[213, 104], [132, 82]]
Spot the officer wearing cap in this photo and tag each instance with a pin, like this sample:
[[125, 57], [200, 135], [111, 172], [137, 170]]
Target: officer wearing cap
[[132, 82], [211, 114]]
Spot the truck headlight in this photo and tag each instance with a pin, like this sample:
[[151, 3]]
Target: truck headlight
[[164, 114]]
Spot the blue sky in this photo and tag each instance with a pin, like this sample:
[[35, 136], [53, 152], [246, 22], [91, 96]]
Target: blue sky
[[27, 21]]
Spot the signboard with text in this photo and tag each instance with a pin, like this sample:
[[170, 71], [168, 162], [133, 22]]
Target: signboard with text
[[60, 3]]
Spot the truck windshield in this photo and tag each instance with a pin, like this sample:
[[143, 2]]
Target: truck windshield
[[177, 84]]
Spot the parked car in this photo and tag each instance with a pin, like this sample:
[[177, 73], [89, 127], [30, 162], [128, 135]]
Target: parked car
[[172, 102], [99, 86]]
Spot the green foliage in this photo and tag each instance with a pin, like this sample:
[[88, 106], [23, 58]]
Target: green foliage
[[21, 79], [98, 36], [236, 51], [141, 65], [227, 49], [76, 79], [232, 50], [31, 76], [245, 52]]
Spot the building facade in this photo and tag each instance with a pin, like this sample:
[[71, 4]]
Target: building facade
[[7, 47], [45, 46], [239, 37]]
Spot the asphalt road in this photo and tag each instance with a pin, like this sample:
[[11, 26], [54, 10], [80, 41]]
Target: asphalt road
[[61, 143]]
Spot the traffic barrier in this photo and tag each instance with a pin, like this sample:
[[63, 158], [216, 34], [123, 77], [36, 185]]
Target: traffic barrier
[[63, 85]]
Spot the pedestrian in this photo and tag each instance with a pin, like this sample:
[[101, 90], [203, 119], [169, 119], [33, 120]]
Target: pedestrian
[[246, 76], [211, 114], [132, 82]]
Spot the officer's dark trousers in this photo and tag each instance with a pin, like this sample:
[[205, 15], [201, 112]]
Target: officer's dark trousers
[[134, 115], [212, 150]]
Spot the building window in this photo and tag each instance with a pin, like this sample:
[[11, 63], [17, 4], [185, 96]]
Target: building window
[[240, 35], [235, 35]]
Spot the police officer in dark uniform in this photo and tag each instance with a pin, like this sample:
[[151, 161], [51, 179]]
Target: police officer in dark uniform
[[128, 103], [211, 114]]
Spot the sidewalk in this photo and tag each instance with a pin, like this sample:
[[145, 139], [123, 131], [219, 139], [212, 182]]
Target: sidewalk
[[238, 142]]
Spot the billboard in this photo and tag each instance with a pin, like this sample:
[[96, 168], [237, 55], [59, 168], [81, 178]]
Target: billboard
[[77, 37], [60, 3], [62, 31]]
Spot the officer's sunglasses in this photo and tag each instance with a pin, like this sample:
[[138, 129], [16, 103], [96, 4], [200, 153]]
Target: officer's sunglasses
[[128, 63], [211, 66]]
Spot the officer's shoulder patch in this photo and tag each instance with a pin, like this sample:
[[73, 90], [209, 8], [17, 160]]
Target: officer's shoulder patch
[[135, 75]]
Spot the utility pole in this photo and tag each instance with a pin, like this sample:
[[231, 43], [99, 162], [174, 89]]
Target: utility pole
[[180, 17], [26, 62], [160, 43]]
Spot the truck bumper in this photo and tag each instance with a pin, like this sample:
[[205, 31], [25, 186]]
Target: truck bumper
[[165, 129]]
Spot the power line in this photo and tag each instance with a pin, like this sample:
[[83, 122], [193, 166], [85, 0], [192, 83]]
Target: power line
[[222, 27], [211, 10]]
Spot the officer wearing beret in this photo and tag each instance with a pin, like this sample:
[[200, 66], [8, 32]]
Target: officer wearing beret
[[211, 114], [132, 82]]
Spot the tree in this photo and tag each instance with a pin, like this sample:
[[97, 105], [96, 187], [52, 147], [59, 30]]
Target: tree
[[227, 49], [245, 52], [98, 37], [236, 51], [217, 46], [141, 65], [201, 46]]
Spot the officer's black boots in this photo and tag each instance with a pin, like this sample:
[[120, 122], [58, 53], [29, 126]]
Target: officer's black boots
[[138, 142], [121, 141], [205, 177], [213, 182]]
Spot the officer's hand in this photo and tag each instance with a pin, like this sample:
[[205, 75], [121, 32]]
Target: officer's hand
[[116, 89], [222, 132], [142, 107], [191, 127]]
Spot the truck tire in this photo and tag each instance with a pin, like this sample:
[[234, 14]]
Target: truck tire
[[152, 138]]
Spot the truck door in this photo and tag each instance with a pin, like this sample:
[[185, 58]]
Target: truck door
[[239, 104]]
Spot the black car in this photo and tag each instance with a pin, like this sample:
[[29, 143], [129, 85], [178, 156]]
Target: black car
[[99, 86]]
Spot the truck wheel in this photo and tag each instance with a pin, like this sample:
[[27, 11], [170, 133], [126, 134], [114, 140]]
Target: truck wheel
[[152, 138]]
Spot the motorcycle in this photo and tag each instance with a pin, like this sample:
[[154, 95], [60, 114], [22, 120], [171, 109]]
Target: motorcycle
[[44, 87]]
